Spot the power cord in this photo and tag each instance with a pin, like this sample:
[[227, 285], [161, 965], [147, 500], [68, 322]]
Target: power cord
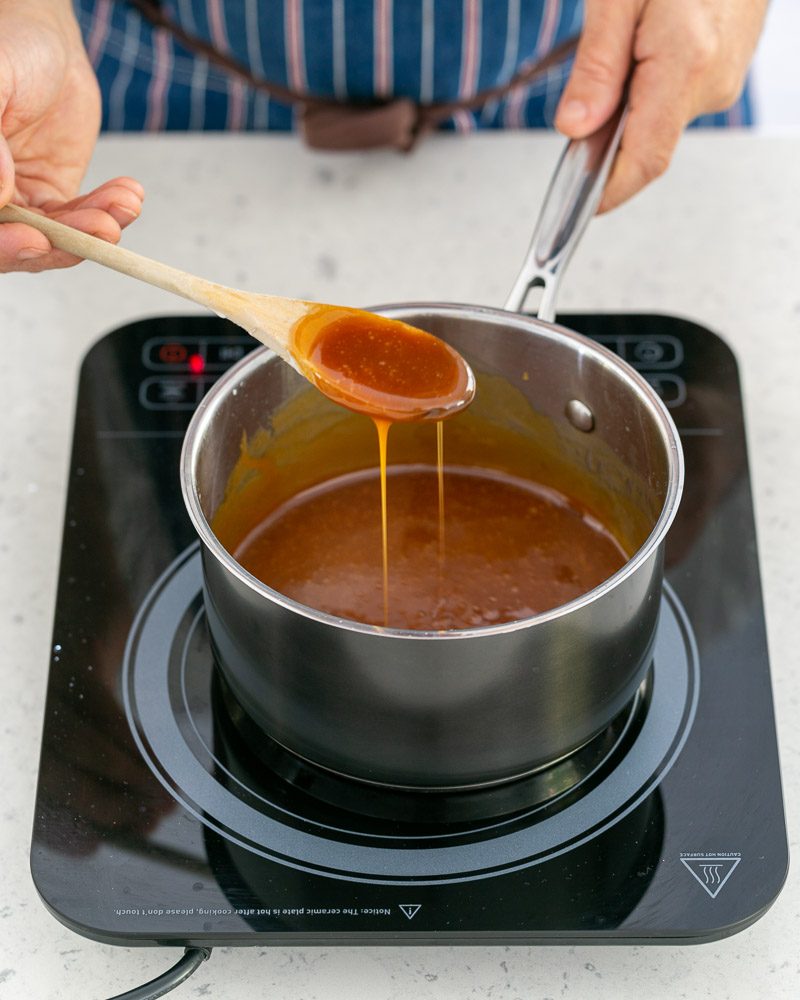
[[192, 959]]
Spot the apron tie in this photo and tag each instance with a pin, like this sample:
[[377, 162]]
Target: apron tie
[[330, 124]]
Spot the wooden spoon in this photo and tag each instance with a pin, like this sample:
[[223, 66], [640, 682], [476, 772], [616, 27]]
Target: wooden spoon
[[381, 367]]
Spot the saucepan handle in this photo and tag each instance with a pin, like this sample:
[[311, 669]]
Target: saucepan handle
[[570, 202]]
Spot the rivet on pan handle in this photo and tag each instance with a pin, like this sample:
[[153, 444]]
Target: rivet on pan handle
[[570, 202]]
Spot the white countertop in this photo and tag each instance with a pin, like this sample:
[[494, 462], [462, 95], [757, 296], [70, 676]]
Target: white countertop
[[716, 240]]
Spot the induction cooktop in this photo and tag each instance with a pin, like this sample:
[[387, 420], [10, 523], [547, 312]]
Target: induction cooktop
[[159, 822]]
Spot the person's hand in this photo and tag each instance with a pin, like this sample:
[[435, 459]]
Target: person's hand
[[688, 59], [49, 120]]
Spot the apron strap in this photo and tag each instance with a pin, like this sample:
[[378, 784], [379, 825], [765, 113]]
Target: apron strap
[[327, 123]]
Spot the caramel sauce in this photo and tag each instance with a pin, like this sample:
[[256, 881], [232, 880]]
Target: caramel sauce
[[440, 484], [514, 548], [382, 427], [388, 370], [511, 528], [381, 367]]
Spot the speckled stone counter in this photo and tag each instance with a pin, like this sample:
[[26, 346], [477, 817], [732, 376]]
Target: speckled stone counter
[[716, 240]]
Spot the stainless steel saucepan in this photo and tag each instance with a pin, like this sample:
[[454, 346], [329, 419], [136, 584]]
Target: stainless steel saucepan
[[467, 707]]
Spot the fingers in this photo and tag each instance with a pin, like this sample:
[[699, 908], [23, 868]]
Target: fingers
[[687, 58], [662, 99], [125, 187], [23, 248], [121, 199], [104, 213], [6, 173], [602, 64], [656, 119]]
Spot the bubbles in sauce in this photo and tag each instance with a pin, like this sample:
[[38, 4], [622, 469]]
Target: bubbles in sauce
[[382, 367]]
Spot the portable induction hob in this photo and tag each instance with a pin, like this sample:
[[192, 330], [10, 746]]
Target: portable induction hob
[[159, 822]]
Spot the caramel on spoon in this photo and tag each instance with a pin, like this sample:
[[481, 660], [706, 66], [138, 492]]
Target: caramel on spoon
[[378, 366]]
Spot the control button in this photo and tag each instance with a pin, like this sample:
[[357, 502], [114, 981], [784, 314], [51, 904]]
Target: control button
[[671, 389], [164, 352], [660, 353], [173, 354], [169, 393], [648, 351], [222, 355]]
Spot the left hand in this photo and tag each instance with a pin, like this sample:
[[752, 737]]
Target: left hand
[[688, 59], [49, 120]]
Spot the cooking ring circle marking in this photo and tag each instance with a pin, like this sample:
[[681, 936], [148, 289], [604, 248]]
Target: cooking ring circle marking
[[161, 742], [473, 830]]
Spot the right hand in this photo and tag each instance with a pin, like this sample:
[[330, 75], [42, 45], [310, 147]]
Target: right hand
[[688, 59], [49, 121]]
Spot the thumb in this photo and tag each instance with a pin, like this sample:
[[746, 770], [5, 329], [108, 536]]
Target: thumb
[[6, 173], [602, 64]]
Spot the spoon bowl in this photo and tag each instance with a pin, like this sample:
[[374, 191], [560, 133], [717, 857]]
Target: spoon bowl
[[381, 367]]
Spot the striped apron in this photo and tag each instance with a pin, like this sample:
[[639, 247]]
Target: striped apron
[[351, 50]]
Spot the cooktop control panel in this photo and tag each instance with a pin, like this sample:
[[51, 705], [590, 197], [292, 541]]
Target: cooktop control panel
[[184, 369], [178, 371]]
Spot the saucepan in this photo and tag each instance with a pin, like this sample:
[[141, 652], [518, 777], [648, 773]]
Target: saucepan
[[467, 707]]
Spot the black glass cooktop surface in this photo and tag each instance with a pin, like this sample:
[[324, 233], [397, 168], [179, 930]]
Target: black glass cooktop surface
[[157, 822]]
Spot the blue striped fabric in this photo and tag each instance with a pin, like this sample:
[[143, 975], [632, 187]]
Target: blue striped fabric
[[429, 50]]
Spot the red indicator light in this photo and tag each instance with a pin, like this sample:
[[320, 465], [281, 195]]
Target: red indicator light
[[196, 364], [172, 354]]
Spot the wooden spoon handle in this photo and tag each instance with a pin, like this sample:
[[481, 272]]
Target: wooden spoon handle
[[119, 259], [228, 302]]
